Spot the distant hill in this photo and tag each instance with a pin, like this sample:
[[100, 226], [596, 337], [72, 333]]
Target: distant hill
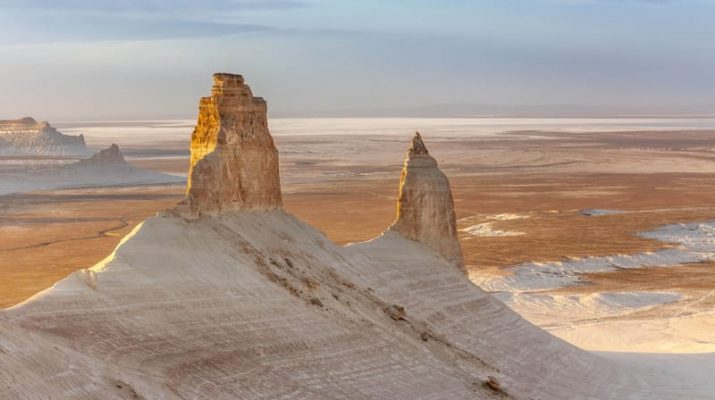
[[105, 168]]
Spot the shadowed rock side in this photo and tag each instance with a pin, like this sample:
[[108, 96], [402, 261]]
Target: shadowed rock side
[[27, 137], [425, 209], [234, 163]]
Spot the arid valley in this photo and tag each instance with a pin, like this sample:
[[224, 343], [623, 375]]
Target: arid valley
[[557, 224]]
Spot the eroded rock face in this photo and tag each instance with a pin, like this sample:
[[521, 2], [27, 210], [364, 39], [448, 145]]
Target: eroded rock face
[[25, 136], [234, 162], [425, 209]]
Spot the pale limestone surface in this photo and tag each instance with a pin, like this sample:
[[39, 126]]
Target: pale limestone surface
[[425, 208], [27, 137], [234, 163]]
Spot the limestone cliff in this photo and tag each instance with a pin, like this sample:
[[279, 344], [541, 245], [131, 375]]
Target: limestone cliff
[[425, 209], [25, 136], [234, 162]]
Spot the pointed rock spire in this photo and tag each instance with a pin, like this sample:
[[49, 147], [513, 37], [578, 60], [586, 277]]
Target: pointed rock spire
[[425, 209], [234, 162]]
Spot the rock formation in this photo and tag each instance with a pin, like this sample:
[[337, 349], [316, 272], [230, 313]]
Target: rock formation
[[425, 209], [22, 137], [105, 168], [234, 163], [261, 306], [110, 155]]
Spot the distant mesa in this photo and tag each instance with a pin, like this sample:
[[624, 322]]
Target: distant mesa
[[234, 162], [425, 209], [27, 137]]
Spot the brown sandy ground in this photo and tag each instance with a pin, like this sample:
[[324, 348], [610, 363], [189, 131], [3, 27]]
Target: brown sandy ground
[[47, 235]]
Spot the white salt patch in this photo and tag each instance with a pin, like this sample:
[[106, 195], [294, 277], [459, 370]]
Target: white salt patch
[[544, 308], [696, 244], [593, 212], [507, 217], [486, 230]]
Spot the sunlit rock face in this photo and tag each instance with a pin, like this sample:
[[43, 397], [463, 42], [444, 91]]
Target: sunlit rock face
[[425, 209], [234, 162], [25, 136]]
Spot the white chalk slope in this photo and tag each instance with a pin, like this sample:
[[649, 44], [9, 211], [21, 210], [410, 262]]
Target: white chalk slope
[[258, 305]]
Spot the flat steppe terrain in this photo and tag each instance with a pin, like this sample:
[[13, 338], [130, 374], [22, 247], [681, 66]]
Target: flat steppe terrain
[[519, 199]]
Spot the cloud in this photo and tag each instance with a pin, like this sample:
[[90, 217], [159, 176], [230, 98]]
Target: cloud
[[150, 6], [100, 20]]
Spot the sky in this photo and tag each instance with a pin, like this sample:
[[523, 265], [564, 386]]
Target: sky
[[70, 60]]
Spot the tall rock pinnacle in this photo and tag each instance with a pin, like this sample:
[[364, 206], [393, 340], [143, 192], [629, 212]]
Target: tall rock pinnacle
[[234, 162], [425, 209]]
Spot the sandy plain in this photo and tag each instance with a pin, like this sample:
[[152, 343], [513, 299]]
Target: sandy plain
[[524, 191]]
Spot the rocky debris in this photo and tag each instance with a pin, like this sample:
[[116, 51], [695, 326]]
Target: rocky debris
[[127, 391], [110, 155], [425, 209], [396, 312], [493, 384], [25, 136], [234, 162]]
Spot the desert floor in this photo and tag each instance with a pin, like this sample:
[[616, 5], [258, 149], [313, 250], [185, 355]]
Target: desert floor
[[519, 199]]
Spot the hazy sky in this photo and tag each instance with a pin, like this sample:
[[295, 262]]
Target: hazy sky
[[76, 59]]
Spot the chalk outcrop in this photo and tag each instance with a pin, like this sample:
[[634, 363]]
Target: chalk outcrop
[[234, 162], [425, 209], [27, 137]]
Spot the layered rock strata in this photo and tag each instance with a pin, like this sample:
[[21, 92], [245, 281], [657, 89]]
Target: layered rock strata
[[25, 136], [234, 162], [425, 209]]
